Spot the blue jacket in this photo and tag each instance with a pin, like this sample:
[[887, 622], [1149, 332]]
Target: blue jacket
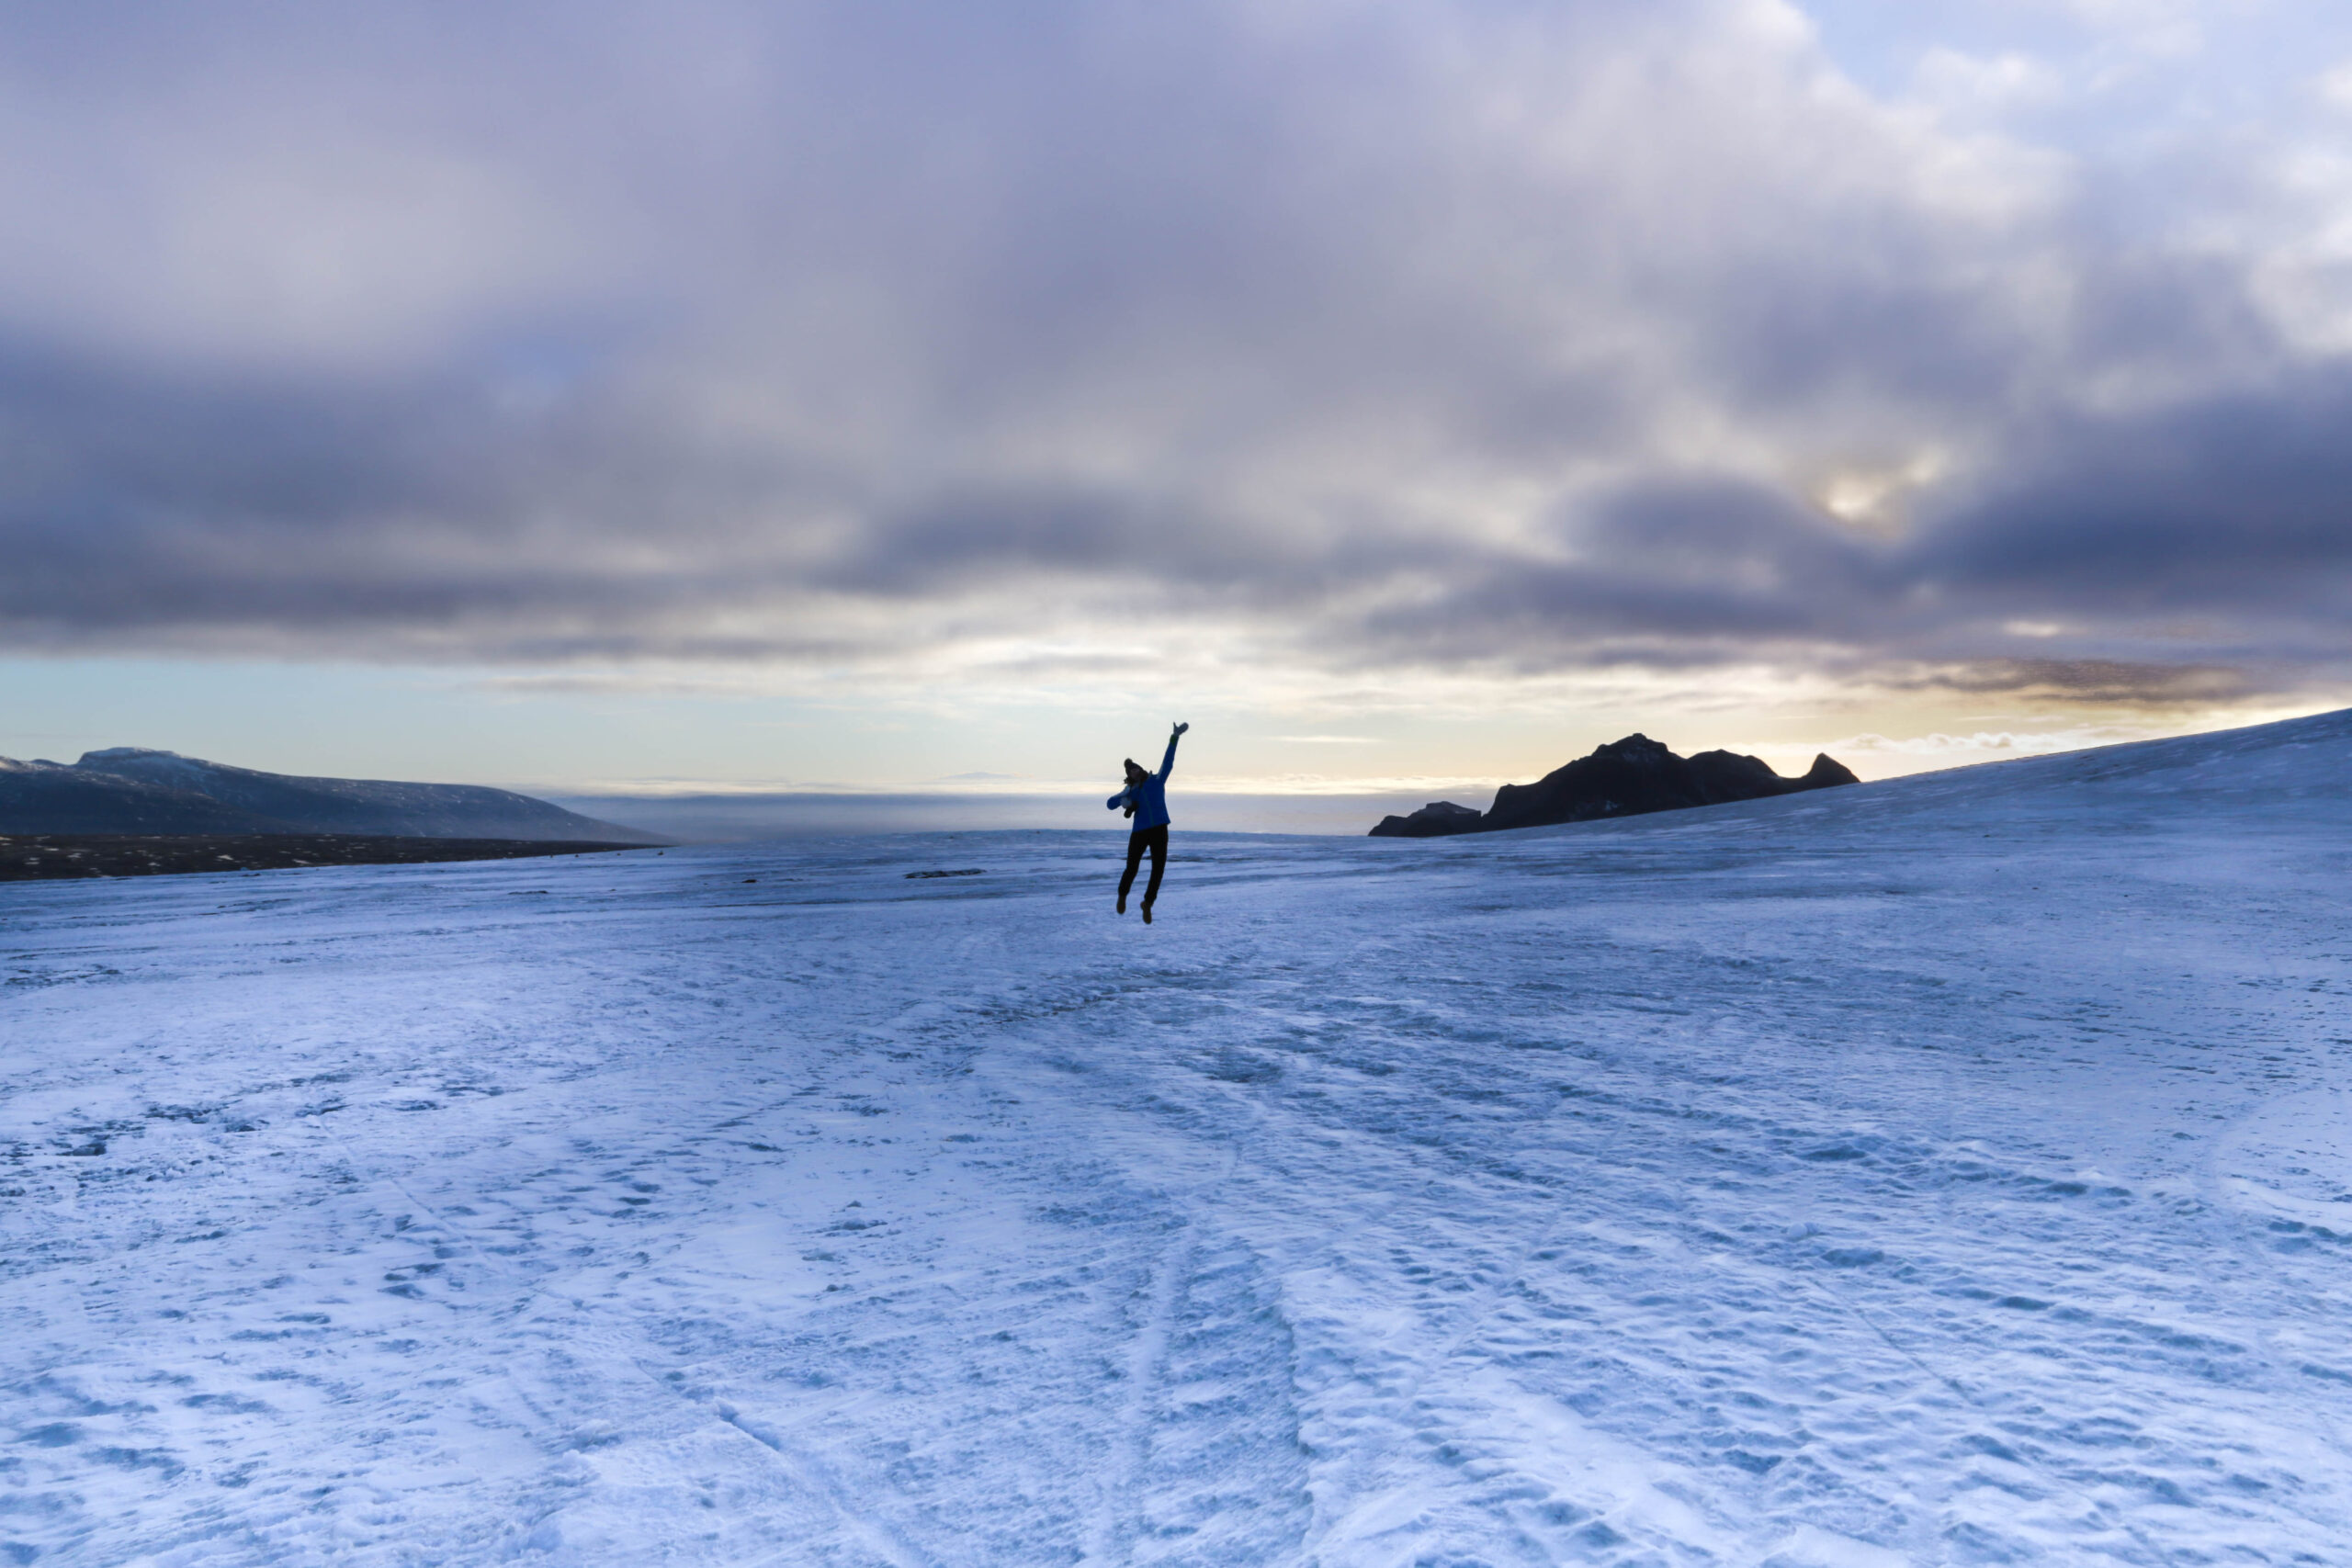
[[1151, 796]]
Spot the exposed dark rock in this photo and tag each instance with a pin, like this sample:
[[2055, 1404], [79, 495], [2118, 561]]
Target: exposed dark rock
[[1826, 772], [131, 790], [1624, 778], [1434, 820]]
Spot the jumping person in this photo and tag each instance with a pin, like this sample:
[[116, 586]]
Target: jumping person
[[1145, 800]]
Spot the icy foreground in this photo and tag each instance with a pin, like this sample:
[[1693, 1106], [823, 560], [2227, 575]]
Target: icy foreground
[[1951, 1170]]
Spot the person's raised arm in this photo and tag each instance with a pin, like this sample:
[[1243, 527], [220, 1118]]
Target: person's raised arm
[[1168, 764]]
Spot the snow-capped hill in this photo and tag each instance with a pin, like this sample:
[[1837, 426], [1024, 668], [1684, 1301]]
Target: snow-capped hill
[[2229, 768], [130, 789], [2292, 753], [142, 762]]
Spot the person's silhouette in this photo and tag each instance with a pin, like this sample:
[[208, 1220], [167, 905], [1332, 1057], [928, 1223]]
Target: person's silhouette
[[1145, 800]]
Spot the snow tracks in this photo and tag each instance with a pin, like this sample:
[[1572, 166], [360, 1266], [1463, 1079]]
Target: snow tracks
[[1807, 1184]]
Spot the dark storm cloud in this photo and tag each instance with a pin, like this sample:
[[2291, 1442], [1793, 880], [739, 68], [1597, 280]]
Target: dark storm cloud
[[1483, 335], [2223, 522], [2237, 505], [1711, 564], [2087, 679]]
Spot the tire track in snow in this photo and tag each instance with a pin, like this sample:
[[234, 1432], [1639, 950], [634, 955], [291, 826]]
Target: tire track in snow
[[1401, 1401], [1117, 1520], [814, 1476]]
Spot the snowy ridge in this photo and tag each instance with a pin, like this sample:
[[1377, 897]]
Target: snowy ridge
[[1950, 1171]]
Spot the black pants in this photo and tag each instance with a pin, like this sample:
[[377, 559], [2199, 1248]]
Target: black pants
[[1142, 839]]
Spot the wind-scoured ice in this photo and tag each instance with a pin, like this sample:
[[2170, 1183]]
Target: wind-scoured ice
[[1954, 1171]]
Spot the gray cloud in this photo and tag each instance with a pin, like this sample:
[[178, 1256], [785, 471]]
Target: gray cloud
[[2089, 680], [1701, 564], [1490, 335], [2237, 505]]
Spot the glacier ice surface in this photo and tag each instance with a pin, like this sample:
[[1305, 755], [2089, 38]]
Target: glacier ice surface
[[1956, 1169]]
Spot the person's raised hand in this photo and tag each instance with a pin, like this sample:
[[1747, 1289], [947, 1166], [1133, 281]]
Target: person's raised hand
[[1181, 728]]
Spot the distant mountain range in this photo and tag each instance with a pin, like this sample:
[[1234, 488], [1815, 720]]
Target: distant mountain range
[[128, 789], [1624, 778]]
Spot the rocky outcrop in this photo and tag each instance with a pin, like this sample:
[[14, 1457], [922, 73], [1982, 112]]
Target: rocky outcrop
[[132, 790], [1624, 778], [1434, 820]]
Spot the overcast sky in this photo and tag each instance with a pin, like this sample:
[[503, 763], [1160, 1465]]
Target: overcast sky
[[875, 392]]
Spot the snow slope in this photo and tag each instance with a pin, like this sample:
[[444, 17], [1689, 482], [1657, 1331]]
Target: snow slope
[[1955, 1170]]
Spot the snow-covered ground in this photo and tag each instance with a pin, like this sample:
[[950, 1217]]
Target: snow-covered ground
[[1956, 1169]]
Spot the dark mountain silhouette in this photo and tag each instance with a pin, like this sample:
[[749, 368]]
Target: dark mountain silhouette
[[126, 789], [1624, 778], [50, 797], [1435, 820]]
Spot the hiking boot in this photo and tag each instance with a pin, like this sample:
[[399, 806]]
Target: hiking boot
[[1146, 914], [1122, 903]]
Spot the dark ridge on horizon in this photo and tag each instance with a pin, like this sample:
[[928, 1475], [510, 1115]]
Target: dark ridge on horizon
[[132, 790], [1631, 777]]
